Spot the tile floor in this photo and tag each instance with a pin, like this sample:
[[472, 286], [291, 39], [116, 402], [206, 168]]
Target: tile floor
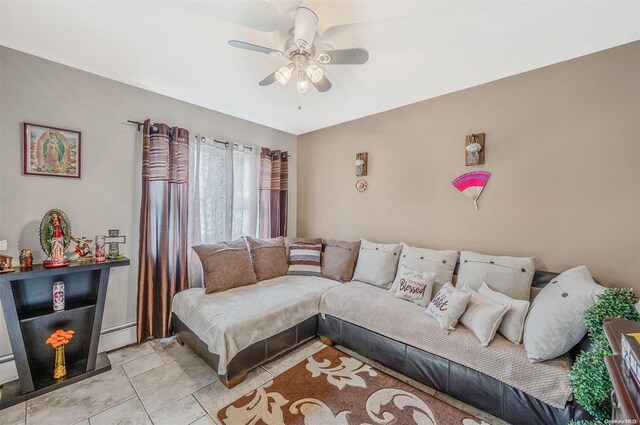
[[160, 383]]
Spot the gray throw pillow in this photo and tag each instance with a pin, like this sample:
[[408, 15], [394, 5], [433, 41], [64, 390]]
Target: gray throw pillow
[[339, 260], [225, 265], [377, 263], [556, 318], [427, 260], [269, 257], [511, 276]]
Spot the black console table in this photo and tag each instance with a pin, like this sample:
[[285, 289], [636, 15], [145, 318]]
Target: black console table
[[27, 302]]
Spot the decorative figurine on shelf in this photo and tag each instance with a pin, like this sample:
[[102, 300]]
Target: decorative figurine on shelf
[[6, 261], [58, 296], [58, 340], [82, 249], [101, 256], [114, 240], [26, 259], [55, 236]]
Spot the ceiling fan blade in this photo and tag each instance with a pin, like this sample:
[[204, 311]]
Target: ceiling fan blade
[[356, 56], [255, 48], [269, 79], [305, 27], [323, 85]]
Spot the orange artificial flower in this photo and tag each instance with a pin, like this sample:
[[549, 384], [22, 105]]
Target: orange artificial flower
[[60, 337]]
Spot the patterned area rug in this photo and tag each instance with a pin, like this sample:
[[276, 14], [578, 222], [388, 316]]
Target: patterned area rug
[[332, 388]]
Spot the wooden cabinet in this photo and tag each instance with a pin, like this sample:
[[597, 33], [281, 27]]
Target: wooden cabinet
[[26, 297], [625, 397]]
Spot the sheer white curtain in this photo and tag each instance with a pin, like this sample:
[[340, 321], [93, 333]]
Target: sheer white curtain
[[224, 195]]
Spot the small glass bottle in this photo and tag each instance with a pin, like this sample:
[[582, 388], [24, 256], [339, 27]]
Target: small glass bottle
[[101, 254], [58, 296]]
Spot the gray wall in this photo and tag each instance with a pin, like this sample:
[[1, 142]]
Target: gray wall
[[563, 147], [107, 197]]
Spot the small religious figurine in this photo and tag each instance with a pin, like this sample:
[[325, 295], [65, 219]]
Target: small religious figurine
[[55, 236], [26, 259], [82, 249]]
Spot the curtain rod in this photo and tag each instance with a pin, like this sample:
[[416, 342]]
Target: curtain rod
[[235, 145]]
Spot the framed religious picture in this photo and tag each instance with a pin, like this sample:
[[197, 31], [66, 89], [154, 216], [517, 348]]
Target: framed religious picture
[[51, 151]]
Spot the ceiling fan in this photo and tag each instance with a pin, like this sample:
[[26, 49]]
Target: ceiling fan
[[303, 57]]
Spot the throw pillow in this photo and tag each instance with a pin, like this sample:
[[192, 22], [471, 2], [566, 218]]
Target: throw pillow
[[288, 241], [269, 257], [339, 260], [377, 263], [304, 259], [225, 265], [415, 286], [556, 319], [427, 260], [447, 306], [511, 276], [512, 324], [482, 316]]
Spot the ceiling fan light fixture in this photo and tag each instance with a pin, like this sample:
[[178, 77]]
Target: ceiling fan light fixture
[[302, 85], [283, 74], [314, 72]]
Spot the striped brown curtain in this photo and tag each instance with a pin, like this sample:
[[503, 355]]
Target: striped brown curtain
[[273, 192], [163, 267]]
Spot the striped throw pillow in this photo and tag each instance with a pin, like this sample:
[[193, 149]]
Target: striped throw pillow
[[304, 259]]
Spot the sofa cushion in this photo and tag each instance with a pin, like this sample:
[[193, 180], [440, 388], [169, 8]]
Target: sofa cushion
[[224, 322], [483, 316], [269, 257], [447, 306], [377, 263], [304, 259], [339, 260], [428, 260], [556, 319], [511, 276], [225, 265], [379, 311], [288, 241], [512, 324], [415, 286]]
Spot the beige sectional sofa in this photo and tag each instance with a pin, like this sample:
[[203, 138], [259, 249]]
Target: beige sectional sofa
[[239, 328]]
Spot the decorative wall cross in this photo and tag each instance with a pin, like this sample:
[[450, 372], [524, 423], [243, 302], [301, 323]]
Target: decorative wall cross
[[114, 240]]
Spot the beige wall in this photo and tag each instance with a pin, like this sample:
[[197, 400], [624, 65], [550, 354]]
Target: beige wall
[[107, 196], [563, 147]]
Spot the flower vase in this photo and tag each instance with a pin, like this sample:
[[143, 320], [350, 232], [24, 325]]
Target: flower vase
[[60, 369]]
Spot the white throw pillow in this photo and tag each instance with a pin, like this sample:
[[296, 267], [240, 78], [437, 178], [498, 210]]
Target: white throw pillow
[[427, 260], [511, 276], [415, 286], [482, 316], [556, 319], [377, 263], [447, 306], [512, 324]]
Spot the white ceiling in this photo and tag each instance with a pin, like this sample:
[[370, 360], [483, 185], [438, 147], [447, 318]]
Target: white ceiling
[[418, 49]]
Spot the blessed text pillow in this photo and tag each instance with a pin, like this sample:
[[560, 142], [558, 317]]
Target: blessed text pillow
[[447, 306], [427, 260], [415, 286]]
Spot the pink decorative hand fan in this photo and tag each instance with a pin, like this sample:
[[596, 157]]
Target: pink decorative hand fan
[[471, 184]]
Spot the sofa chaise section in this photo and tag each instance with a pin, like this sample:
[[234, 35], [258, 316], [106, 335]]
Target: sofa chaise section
[[243, 327]]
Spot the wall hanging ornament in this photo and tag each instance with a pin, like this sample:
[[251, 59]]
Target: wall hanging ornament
[[361, 164], [361, 185], [471, 184], [474, 149]]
